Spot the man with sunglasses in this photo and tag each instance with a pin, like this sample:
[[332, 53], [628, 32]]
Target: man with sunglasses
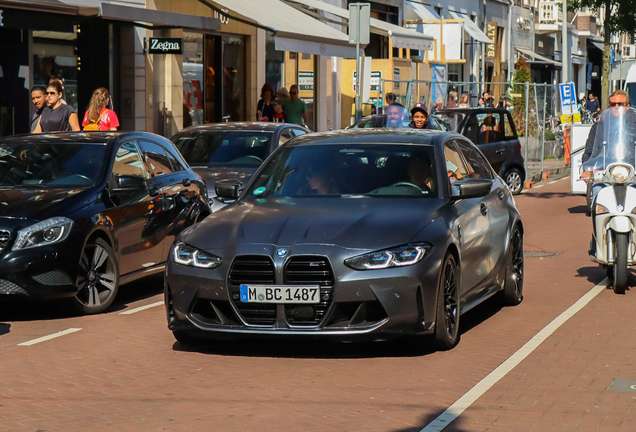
[[617, 99], [295, 108]]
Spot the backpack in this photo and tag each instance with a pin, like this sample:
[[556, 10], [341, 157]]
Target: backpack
[[94, 126]]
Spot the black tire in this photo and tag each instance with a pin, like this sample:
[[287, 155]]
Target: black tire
[[514, 180], [512, 293], [186, 338], [620, 265], [98, 279], [447, 317]]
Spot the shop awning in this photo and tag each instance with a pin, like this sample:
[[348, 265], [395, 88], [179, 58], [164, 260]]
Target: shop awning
[[598, 45], [402, 38], [51, 6], [536, 58], [157, 18], [471, 28], [425, 12], [293, 30]]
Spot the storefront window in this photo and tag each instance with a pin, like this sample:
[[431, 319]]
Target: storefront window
[[54, 53], [274, 64], [233, 78], [193, 88]]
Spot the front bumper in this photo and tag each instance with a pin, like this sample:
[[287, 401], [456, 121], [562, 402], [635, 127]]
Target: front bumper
[[40, 273], [374, 304]]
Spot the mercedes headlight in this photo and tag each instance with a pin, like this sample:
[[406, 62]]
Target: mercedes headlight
[[620, 173], [193, 257], [396, 257], [43, 233]]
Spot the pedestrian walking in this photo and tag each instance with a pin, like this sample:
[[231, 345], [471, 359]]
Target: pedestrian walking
[[279, 116], [98, 117], [592, 105], [38, 98], [282, 94], [452, 100], [56, 117], [295, 108], [264, 109]]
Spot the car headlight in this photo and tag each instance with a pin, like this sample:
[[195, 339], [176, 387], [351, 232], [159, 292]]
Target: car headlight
[[53, 230], [396, 257], [193, 257], [620, 173]]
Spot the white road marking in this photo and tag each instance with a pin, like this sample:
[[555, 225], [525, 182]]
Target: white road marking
[[565, 178], [461, 404], [537, 187], [49, 337], [552, 182], [141, 308]]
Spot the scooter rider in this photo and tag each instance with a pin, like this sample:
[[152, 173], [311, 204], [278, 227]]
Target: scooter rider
[[619, 98]]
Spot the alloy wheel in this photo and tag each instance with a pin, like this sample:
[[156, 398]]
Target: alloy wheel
[[97, 282], [451, 304], [517, 263], [513, 180]]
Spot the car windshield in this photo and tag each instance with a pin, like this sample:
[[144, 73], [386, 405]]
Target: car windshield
[[224, 148], [375, 170], [451, 119], [51, 165], [614, 140]]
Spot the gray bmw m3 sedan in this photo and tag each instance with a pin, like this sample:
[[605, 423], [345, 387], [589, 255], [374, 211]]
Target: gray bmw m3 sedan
[[349, 235]]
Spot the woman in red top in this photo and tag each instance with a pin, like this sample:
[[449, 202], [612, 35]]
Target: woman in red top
[[98, 116]]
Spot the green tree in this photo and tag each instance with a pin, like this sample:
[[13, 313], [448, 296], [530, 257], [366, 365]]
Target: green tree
[[618, 17], [518, 91]]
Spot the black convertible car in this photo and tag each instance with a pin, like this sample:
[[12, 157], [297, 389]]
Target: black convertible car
[[354, 234], [82, 213]]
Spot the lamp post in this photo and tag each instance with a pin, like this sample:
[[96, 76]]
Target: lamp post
[[565, 72]]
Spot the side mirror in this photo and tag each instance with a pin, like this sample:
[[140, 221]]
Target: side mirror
[[470, 188], [129, 183], [227, 189]]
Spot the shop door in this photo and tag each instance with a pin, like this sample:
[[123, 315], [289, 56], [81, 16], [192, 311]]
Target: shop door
[[15, 77]]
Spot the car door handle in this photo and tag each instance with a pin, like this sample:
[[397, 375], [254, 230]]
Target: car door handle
[[153, 191], [500, 151], [501, 194], [186, 181], [484, 209]]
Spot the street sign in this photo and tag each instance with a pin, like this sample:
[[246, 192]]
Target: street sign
[[376, 77], [306, 81], [568, 98], [165, 46], [359, 15]]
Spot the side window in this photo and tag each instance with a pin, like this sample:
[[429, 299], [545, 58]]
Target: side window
[[455, 167], [157, 161], [285, 136], [298, 132], [490, 128], [174, 161], [508, 128], [128, 162], [477, 164]]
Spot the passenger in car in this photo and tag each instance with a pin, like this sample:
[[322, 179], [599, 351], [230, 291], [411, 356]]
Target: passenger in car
[[420, 117], [320, 181]]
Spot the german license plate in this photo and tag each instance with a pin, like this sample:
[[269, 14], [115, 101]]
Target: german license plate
[[280, 294]]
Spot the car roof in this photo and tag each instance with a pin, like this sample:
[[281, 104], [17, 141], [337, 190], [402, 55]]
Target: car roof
[[238, 126], [77, 137], [370, 136]]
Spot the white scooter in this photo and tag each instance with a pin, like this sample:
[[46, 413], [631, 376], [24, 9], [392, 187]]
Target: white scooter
[[610, 169]]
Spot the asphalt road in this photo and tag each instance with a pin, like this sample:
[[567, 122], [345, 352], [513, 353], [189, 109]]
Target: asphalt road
[[125, 372]]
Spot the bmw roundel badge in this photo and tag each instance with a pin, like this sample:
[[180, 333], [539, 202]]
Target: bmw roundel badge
[[281, 252]]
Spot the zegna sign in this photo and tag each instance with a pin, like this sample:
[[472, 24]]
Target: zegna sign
[[165, 46]]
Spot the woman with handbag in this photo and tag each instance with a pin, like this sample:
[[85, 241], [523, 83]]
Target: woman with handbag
[[99, 117]]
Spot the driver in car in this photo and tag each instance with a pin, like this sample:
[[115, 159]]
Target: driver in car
[[394, 115], [419, 172]]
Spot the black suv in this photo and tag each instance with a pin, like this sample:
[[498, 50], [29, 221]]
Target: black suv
[[493, 130]]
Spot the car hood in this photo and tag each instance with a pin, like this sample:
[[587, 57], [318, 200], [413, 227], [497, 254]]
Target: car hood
[[212, 175], [354, 223], [36, 203]]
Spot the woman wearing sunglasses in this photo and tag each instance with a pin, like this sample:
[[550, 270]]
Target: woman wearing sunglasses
[[57, 117]]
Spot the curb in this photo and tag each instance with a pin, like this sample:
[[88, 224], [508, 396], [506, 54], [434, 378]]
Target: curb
[[546, 174]]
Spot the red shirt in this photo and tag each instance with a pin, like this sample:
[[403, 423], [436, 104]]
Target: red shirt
[[106, 122]]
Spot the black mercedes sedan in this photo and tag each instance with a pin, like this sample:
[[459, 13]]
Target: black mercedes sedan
[[83, 213], [352, 234], [234, 150]]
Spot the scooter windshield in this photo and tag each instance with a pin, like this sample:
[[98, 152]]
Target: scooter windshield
[[396, 117], [615, 139]]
